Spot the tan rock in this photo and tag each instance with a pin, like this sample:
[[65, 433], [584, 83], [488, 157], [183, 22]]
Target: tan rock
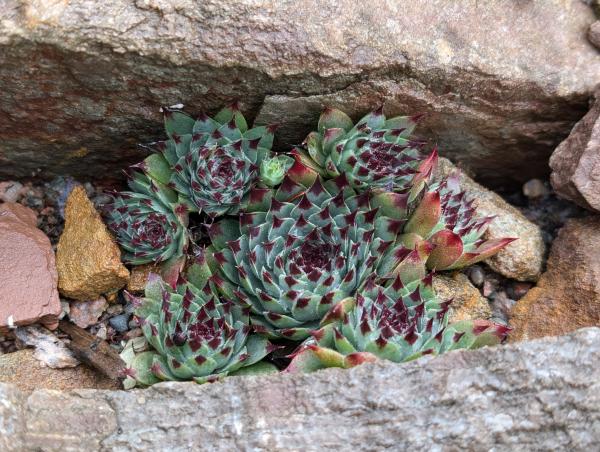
[[576, 161], [468, 303], [88, 259], [567, 296], [139, 276], [523, 258], [28, 374], [28, 277]]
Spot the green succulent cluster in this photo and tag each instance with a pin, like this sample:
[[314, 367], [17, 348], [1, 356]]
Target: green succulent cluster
[[331, 246]]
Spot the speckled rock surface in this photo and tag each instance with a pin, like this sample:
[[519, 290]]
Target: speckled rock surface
[[541, 395], [576, 161], [502, 82], [567, 295], [523, 258], [28, 276], [139, 277], [28, 374], [594, 34], [467, 302], [88, 259]]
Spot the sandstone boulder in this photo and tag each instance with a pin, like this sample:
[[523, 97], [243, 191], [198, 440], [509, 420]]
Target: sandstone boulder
[[567, 296], [88, 259], [576, 161], [28, 277], [502, 82]]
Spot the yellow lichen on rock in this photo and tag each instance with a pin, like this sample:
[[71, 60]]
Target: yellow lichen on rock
[[88, 260]]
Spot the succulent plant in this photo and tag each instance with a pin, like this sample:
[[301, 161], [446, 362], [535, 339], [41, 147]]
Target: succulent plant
[[447, 218], [216, 161], [375, 153], [196, 331], [400, 322], [295, 253], [149, 222]]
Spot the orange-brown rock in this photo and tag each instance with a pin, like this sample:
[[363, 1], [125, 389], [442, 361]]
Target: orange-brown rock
[[28, 277], [468, 303], [88, 259], [567, 296], [28, 374], [139, 276]]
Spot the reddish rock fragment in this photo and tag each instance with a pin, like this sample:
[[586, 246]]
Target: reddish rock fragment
[[28, 277]]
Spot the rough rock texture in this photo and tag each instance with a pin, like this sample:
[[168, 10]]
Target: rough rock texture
[[523, 258], [86, 313], [139, 277], [468, 303], [88, 259], [542, 395], [594, 34], [502, 82], [28, 276], [567, 295], [26, 372], [576, 161]]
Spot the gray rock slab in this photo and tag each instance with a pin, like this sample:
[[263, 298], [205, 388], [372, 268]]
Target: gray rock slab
[[502, 82], [538, 395]]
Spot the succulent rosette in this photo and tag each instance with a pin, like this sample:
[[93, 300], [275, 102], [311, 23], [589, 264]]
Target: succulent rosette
[[215, 162], [397, 321], [196, 331], [295, 253], [149, 222], [447, 218], [376, 153]]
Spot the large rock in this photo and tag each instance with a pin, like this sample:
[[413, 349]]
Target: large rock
[[502, 82], [28, 277], [88, 259], [542, 395], [576, 162], [523, 258], [567, 295]]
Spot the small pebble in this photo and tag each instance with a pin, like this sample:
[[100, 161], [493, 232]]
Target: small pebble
[[489, 287], [519, 289], [102, 333], [136, 332], [535, 188], [65, 309], [120, 322], [10, 191], [115, 309], [501, 306], [476, 275]]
